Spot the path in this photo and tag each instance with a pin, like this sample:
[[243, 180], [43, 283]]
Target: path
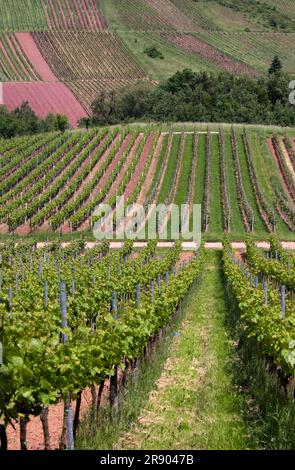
[[194, 404], [187, 245]]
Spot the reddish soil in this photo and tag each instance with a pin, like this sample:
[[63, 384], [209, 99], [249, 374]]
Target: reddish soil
[[149, 177], [222, 61], [31, 50], [139, 167], [186, 256], [44, 98], [4, 228], [45, 227], [23, 229], [240, 255], [65, 228], [98, 21], [35, 439], [125, 166], [288, 189], [86, 224], [288, 160]]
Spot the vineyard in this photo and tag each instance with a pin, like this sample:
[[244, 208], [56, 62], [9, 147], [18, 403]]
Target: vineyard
[[47, 15], [89, 63], [91, 47], [147, 268], [56, 184], [76, 323]]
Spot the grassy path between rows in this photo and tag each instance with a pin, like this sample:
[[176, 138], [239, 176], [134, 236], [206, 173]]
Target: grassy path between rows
[[194, 404], [205, 386]]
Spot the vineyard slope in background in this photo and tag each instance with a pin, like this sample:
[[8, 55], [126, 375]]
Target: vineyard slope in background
[[93, 46], [243, 178]]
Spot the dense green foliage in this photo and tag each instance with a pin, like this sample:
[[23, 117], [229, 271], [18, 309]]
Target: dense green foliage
[[153, 52], [23, 121], [202, 97]]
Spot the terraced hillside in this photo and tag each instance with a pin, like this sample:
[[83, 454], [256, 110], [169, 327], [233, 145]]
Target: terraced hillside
[[244, 179], [86, 47], [60, 56], [240, 37]]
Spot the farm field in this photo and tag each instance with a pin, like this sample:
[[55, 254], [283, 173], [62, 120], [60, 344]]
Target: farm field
[[147, 260], [46, 15], [245, 42], [94, 47], [55, 186], [178, 369], [89, 63]]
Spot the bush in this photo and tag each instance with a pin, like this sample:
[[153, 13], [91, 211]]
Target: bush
[[153, 52]]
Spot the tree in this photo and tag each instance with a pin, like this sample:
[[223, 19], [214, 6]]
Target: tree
[[276, 66], [61, 122], [27, 119]]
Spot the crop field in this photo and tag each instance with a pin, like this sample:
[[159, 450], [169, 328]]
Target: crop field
[[47, 15], [128, 321], [60, 183], [43, 98], [254, 49], [93, 46], [73, 15], [15, 66], [89, 62], [243, 42], [72, 310]]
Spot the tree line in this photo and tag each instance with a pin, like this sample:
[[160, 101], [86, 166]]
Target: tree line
[[201, 97], [23, 121]]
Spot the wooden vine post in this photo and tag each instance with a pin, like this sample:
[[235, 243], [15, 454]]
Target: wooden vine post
[[68, 413], [114, 397]]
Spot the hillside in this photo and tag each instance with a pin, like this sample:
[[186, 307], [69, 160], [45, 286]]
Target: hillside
[[59, 55], [244, 179]]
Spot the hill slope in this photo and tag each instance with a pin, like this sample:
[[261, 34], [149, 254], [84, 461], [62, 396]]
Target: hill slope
[[91, 46], [244, 180]]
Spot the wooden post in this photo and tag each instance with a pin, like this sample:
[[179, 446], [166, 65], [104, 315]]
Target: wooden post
[[283, 301], [45, 293], [68, 413], [138, 296], [265, 288]]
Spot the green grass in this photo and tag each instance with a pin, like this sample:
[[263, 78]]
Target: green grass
[[175, 58], [183, 184], [132, 399], [170, 170], [236, 219], [201, 168], [216, 218], [24, 15], [195, 404], [266, 170], [259, 225]]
